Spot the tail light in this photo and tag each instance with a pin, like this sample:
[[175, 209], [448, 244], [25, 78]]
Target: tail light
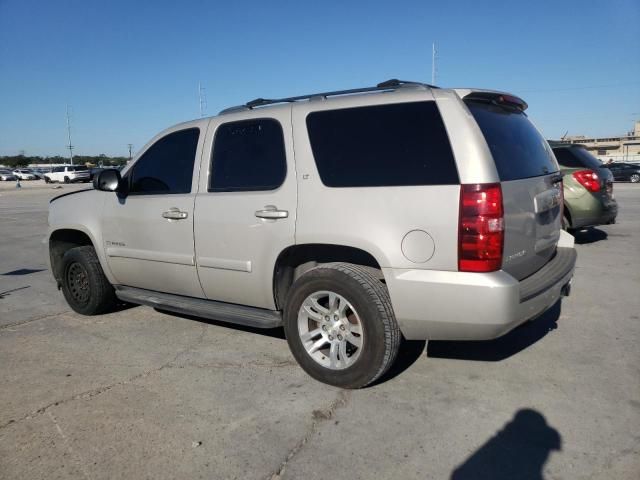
[[588, 179], [480, 228]]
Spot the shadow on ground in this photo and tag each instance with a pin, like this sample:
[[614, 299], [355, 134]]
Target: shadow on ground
[[518, 451], [23, 271], [6, 293], [267, 332], [410, 352], [589, 235], [500, 348]]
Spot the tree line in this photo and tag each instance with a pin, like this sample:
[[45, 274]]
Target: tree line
[[16, 161]]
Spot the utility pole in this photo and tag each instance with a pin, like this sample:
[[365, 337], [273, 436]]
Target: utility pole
[[202, 98], [130, 145], [70, 147], [433, 63]]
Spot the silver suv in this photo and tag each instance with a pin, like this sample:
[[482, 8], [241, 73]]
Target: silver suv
[[353, 218]]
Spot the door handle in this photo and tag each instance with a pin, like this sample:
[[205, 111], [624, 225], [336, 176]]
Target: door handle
[[174, 214], [271, 212]]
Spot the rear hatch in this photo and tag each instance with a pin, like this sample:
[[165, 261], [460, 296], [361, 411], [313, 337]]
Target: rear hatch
[[573, 159], [530, 180]]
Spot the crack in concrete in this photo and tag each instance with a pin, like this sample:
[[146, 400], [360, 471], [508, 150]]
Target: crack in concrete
[[319, 417], [88, 394], [80, 462], [34, 319], [254, 363]]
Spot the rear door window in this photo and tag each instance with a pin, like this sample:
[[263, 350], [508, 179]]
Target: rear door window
[[518, 149], [382, 145], [248, 155]]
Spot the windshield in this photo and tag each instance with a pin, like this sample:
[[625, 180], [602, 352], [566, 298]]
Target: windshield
[[518, 149]]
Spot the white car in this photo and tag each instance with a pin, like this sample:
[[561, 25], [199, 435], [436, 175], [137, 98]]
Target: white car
[[68, 174], [7, 175], [24, 174]]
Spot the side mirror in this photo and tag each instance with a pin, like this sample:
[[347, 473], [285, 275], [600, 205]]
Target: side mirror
[[107, 180]]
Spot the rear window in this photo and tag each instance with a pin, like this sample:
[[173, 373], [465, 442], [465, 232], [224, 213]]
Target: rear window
[[576, 158], [382, 145], [518, 149]]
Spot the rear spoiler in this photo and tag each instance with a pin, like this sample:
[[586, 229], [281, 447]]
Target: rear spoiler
[[492, 96]]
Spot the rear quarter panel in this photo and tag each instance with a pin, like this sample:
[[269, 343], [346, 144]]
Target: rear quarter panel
[[374, 219]]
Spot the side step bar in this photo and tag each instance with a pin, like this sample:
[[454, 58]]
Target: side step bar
[[198, 307]]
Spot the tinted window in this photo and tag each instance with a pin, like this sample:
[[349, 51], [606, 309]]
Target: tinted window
[[586, 159], [518, 149], [167, 166], [566, 159], [248, 155], [382, 145]]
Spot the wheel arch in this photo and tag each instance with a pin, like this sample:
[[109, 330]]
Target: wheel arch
[[568, 214], [295, 260], [60, 241]]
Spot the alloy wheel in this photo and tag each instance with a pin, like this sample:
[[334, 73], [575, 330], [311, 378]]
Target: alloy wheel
[[330, 330]]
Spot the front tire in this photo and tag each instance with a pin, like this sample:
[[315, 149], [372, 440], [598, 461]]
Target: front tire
[[47, 180], [340, 325], [635, 178], [66, 180], [84, 285]]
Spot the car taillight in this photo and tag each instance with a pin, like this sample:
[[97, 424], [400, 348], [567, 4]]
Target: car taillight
[[588, 179], [480, 228]]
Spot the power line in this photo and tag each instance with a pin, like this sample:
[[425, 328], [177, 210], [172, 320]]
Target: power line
[[70, 147], [202, 97], [433, 63]]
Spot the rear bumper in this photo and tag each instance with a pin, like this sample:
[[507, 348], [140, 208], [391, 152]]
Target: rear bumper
[[593, 210], [439, 305]]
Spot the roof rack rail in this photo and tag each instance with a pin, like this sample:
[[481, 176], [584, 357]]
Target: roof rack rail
[[392, 84]]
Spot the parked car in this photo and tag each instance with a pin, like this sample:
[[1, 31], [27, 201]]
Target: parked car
[[7, 175], [24, 174], [626, 172], [398, 202], [68, 174], [40, 172], [588, 188]]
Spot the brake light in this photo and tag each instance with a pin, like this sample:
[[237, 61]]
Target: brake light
[[588, 179], [480, 228]]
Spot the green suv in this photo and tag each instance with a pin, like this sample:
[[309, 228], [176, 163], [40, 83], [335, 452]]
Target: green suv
[[588, 188]]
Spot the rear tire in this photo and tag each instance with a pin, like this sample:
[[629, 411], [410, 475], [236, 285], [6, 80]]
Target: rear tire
[[566, 224], [66, 180], [47, 180], [635, 178], [84, 285], [340, 325]]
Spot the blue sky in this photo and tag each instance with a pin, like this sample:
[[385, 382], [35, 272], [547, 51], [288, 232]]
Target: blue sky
[[131, 68]]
